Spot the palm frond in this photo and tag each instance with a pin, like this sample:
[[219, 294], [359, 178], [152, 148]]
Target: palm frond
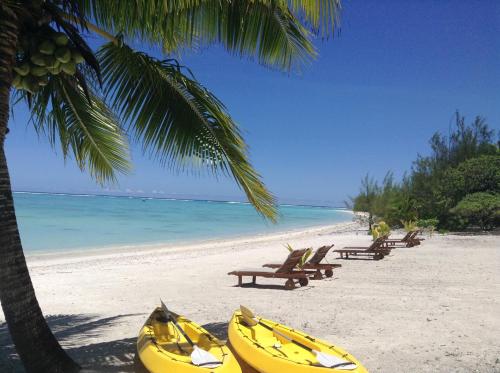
[[323, 16], [262, 29], [177, 120], [83, 125]]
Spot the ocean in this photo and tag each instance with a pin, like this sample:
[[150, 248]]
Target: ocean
[[63, 222]]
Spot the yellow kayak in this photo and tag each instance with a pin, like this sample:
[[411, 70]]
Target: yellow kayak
[[272, 351], [162, 347]]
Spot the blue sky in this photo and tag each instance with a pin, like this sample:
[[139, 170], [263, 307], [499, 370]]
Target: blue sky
[[369, 103]]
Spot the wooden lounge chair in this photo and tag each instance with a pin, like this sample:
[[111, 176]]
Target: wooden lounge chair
[[285, 270], [403, 241], [315, 263], [377, 250], [415, 241], [409, 240]]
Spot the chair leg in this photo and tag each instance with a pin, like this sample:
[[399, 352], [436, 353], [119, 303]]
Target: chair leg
[[254, 279], [240, 281]]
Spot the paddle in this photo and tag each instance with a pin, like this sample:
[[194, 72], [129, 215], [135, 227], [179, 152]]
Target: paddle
[[199, 357], [324, 359]]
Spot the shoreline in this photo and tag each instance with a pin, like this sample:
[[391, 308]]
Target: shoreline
[[189, 246]]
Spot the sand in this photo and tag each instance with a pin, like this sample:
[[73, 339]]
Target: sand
[[431, 308]]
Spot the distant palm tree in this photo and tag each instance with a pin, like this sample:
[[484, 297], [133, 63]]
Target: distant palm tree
[[91, 102]]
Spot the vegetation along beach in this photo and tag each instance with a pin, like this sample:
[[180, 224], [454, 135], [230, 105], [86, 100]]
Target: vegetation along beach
[[273, 186]]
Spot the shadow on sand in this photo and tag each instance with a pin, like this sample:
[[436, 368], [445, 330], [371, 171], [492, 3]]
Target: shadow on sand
[[74, 332]]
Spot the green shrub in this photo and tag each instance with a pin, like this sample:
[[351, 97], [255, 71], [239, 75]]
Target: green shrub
[[409, 225], [428, 225], [380, 229], [481, 174], [477, 209]]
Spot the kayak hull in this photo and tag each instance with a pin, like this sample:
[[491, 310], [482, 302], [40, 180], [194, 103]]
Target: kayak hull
[[268, 352], [161, 348]]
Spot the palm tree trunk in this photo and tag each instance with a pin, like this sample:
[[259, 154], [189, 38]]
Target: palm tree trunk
[[36, 345]]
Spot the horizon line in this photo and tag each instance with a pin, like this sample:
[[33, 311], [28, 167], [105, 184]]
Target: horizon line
[[169, 199]]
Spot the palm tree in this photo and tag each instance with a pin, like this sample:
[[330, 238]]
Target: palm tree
[[90, 103], [366, 200]]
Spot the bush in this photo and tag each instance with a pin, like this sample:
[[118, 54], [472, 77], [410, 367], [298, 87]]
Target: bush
[[428, 225], [481, 174], [409, 225], [477, 209], [380, 229]]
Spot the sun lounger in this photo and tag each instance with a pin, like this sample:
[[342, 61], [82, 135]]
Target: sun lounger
[[315, 263], [285, 270], [377, 250], [417, 240], [409, 240], [403, 240]]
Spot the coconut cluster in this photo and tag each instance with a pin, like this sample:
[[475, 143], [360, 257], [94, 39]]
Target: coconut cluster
[[40, 56]]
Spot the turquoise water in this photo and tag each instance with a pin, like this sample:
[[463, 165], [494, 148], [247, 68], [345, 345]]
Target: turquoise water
[[53, 222]]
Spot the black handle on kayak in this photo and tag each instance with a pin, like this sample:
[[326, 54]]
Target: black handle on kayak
[[172, 319], [284, 336]]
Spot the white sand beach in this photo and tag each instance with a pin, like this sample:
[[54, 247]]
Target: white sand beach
[[431, 308]]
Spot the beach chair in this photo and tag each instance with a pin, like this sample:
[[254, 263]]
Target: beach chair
[[403, 241], [415, 241], [409, 240], [377, 250], [314, 263], [285, 271]]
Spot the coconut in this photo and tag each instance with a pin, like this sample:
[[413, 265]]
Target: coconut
[[17, 81], [69, 68], [54, 70], [60, 38], [38, 59], [63, 54], [21, 84], [38, 71], [47, 47], [77, 56], [50, 61], [30, 83], [23, 69]]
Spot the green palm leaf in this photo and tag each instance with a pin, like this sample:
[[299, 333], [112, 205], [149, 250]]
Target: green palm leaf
[[177, 120], [83, 125], [262, 29], [322, 15]]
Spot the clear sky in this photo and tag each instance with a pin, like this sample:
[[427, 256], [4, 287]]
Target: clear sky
[[369, 103]]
